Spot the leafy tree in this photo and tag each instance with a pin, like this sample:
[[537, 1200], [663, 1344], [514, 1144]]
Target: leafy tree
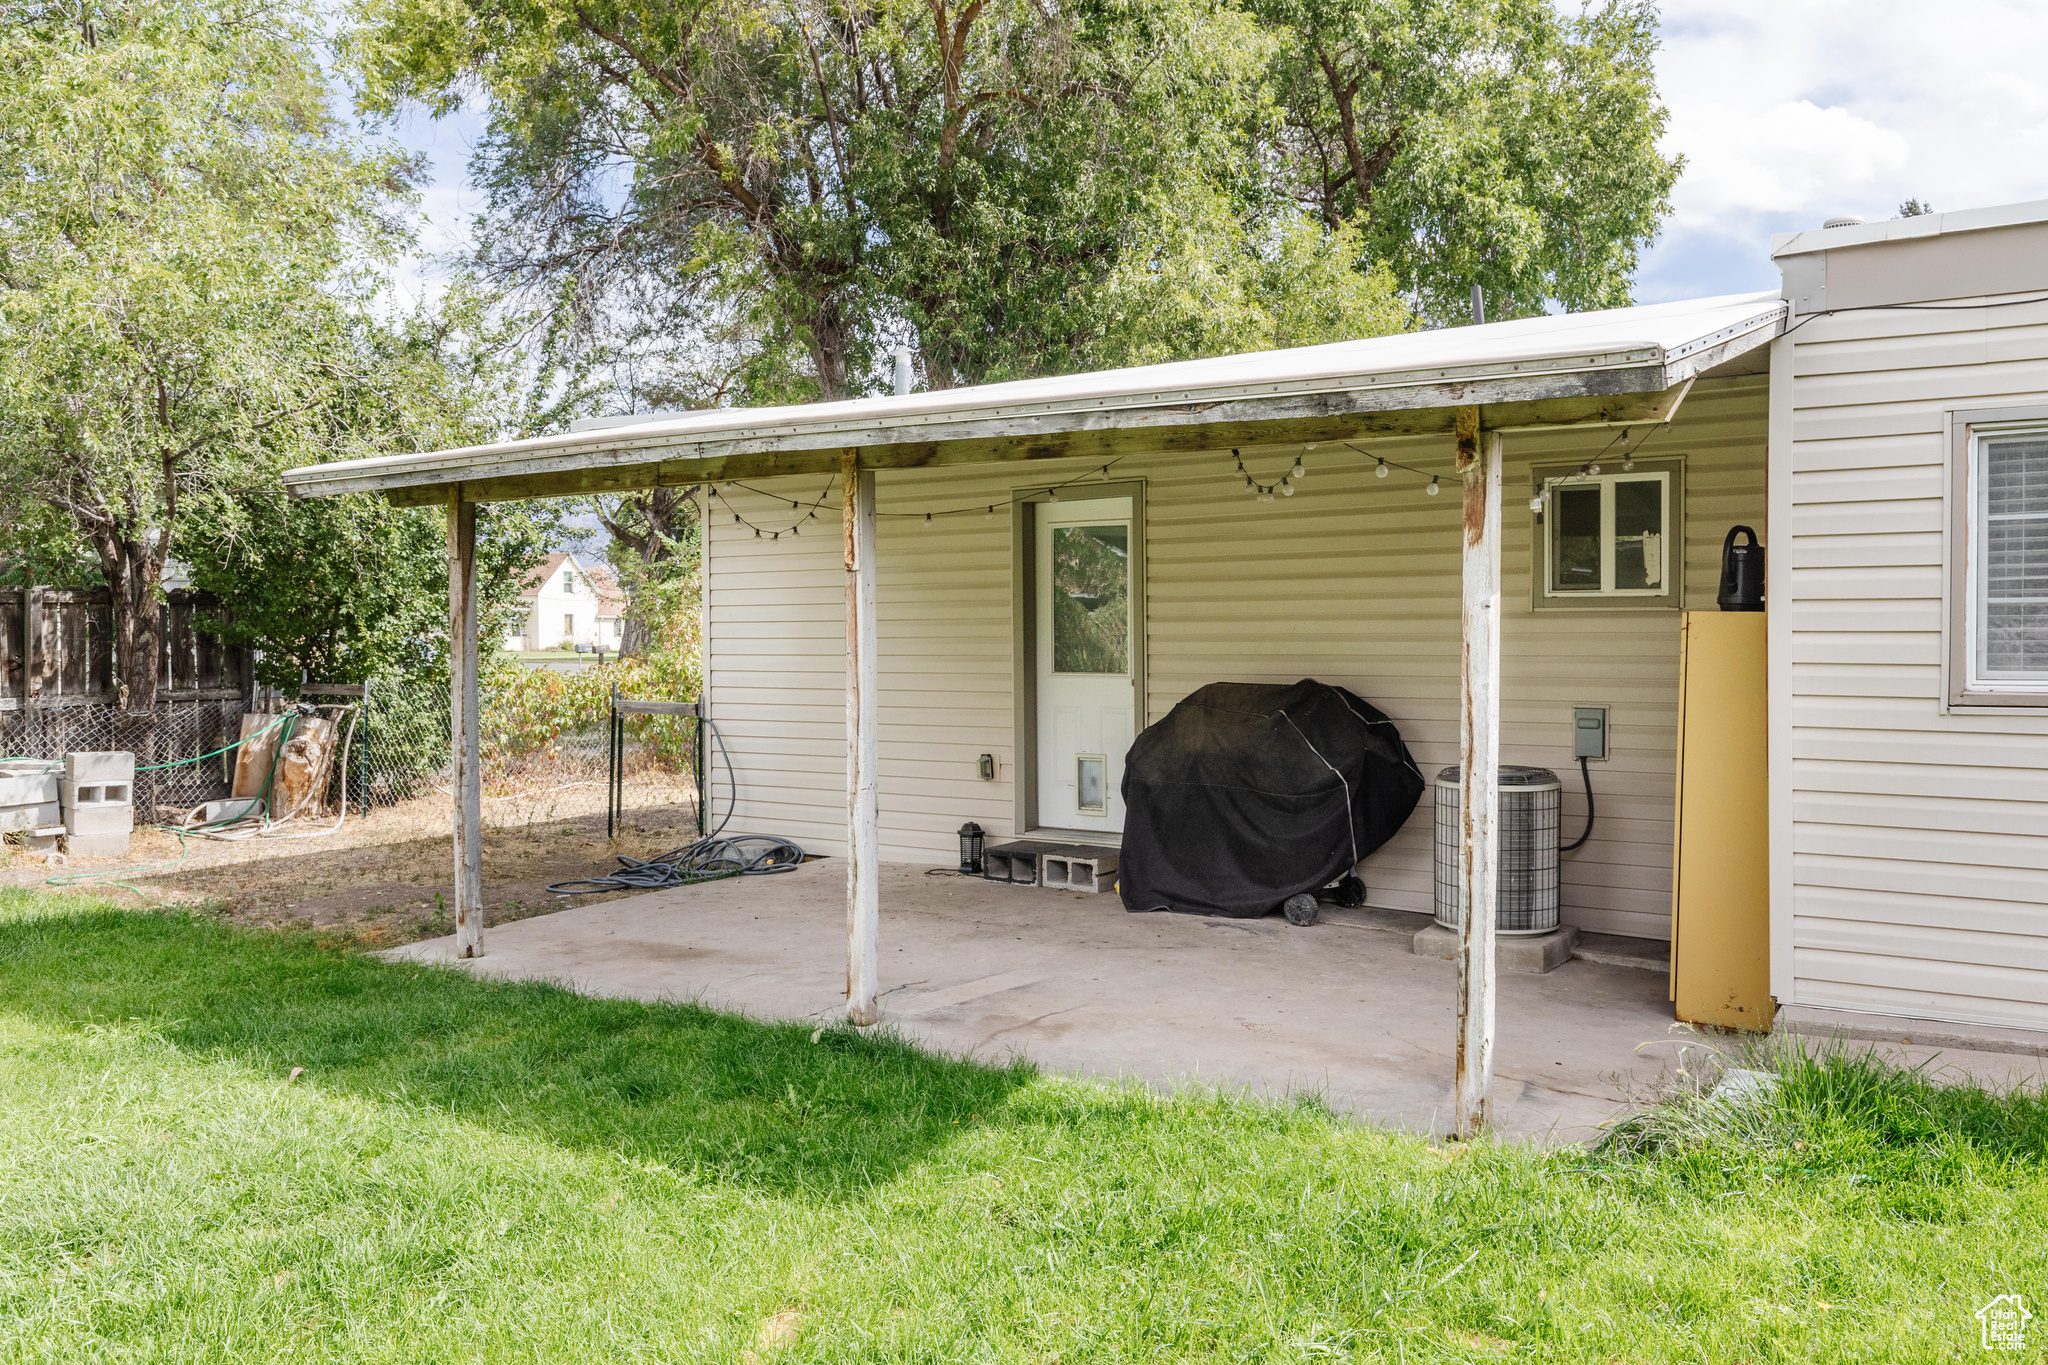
[[183, 232], [653, 550], [349, 588], [1914, 207], [788, 187], [1494, 142]]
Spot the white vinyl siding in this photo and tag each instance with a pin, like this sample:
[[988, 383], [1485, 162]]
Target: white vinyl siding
[[1354, 580], [1918, 875]]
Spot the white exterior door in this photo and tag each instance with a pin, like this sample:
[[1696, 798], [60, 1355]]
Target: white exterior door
[[1085, 656]]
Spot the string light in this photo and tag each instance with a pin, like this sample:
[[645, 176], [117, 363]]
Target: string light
[[1382, 471], [811, 510], [1433, 490], [1264, 491]]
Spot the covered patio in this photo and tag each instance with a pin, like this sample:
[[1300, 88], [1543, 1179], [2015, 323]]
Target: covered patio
[[1469, 392], [1341, 1009]]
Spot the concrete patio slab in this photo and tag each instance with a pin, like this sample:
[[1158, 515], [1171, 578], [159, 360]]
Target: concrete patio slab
[[1076, 984]]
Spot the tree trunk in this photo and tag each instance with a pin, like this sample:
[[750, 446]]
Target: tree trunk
[[134, 575], [645, 526]]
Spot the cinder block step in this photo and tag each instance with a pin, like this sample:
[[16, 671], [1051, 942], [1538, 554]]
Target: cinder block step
[[1078, 869], [1016, 863]]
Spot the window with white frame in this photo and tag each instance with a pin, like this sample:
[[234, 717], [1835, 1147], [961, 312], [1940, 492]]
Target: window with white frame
[[1608, 537], [2007, 571]]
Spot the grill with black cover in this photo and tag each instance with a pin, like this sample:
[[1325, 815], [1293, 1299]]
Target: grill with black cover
[[1248, 793]]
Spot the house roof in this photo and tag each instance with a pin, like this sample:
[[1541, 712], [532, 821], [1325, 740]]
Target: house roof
[[610, 601], [1615, 365], [537, 577], [1910, 229]]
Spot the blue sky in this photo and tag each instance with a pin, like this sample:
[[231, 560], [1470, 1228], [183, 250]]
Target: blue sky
[[1787, 112]]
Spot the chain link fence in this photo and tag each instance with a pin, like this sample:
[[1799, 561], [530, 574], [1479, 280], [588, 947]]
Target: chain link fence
[[536, 769], [540, 764], [176, 730]]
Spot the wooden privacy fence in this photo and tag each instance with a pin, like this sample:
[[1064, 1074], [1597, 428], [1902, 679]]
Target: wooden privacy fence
[[57, 650], [57, 690]]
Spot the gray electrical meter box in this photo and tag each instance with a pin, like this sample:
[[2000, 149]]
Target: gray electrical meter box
[[1589, 732]]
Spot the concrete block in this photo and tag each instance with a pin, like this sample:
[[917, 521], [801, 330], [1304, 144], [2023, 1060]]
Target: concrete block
[[1530, 953], [22, 787], [95, 768], [1016, 863], [1076, 869], [97, 845], [43, 840], [85, 794], [42, 813], [99, 820]]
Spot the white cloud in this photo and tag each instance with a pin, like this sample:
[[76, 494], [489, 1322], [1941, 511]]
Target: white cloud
[[1791, 111]]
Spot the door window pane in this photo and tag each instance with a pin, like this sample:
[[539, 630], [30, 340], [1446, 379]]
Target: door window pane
[[1638, 533], [1575, 538], [1091, 601]]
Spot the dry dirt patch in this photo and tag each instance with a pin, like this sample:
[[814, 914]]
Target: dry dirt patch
[[380, 881]]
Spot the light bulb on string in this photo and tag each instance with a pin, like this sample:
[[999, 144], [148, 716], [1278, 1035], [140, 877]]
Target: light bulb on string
[[1286, 490], [757, 533], [1052, 495], [1433, 490], [989, 515], [927, 520], [1536, 503], [1381, 471], [1297, 472]]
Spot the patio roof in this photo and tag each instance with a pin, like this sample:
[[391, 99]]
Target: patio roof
[[1615, 366], [1629, 365]]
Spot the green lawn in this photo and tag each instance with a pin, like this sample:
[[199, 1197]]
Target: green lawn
[[468, 1172]]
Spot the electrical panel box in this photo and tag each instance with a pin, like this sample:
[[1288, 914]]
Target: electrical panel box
[[1589, 732]]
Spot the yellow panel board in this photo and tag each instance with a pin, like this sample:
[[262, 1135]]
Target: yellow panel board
[[1720, 890]]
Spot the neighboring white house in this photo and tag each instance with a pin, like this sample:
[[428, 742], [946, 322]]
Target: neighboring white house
[[1881, 423], [569, 604]]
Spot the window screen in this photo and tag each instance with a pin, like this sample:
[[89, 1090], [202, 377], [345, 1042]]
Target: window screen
[[2013, 567]]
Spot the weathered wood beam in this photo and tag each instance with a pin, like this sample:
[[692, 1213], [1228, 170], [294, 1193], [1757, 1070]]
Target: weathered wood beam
[[463, 729], [863, 883], [648, 472], [597, 464], [1479, 462]]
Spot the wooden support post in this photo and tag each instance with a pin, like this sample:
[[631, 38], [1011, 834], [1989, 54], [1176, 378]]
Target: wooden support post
[[462, 728], [1479, 461], [863, 887], [33, 655]]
